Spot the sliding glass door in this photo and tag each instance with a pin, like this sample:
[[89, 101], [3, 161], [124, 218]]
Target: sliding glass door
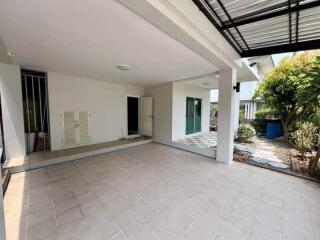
[[193, 115]]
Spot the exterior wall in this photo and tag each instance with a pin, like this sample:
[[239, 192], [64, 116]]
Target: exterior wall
[[12, 111], [247, 90], [180, 92], [249, 108], [162, 112], [107, 103]]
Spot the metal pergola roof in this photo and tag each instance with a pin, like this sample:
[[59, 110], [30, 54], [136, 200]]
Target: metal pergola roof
[[260, 27]]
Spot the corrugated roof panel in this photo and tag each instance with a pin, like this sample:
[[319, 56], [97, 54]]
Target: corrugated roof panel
[[238, 8], [259, 26]]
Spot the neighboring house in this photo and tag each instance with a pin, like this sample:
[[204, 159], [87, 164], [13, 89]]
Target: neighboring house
[[261, 64]]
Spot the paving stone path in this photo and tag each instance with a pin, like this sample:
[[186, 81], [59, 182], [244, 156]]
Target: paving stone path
[[264, 153]]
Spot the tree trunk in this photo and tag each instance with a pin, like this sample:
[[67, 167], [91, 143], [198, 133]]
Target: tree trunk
[[286, 133], [313, 164], [287, 128]]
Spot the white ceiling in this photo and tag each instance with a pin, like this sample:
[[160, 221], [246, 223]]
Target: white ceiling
[[89, 38], [211, 80]]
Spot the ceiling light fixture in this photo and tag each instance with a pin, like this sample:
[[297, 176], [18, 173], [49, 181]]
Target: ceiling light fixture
[[10, 54], [124, 67]]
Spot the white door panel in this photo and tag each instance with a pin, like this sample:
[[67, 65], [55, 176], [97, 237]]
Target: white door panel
[[83, 119], [146, 116], [69, 133], [75, 127]]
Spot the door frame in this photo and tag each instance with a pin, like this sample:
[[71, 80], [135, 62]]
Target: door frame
[[194, 110], [127, 122]]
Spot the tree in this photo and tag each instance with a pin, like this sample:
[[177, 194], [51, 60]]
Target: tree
[[292, 88], [304, 138], [313, 164]]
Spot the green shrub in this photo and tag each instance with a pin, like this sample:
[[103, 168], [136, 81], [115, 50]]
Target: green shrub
[[265, 113], [304, 137], [245, 133]]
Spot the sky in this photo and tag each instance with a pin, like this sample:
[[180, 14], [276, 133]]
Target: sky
[[277, 57]]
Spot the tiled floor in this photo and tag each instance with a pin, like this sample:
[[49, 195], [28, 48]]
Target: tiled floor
[[157, 192], [201, 140], [46, 158]]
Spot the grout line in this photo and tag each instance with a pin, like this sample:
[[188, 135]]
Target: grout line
[[75, 157], [120, 230]]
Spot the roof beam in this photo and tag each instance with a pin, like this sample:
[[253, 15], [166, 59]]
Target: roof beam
[[294, 47], [203, 9], [259, 16], [297, 21], [230, 19], [290, 24]]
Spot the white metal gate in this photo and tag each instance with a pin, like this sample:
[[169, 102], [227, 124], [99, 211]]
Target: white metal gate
[[36, 110]]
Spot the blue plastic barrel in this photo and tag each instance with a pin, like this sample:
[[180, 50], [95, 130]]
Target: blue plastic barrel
[[274, 130]]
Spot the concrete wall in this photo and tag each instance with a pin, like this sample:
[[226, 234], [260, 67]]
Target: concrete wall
[[107, 103], [12, 111], [162, 112], [180, 93]]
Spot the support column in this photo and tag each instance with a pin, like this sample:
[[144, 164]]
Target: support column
[[251, 110], [236, 110], [246, 111], [226, 117]]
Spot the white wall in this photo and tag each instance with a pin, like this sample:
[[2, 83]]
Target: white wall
[[162, 112], [12, 111], [180, 93], [107, 103], [247, 90]]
